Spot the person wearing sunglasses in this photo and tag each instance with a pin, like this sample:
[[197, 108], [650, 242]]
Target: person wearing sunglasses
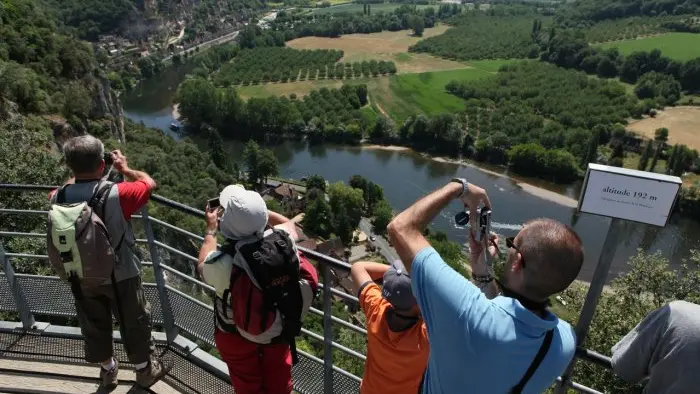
[[486, 338]]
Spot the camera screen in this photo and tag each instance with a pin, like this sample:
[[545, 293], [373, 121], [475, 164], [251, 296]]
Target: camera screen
[[213, 203]]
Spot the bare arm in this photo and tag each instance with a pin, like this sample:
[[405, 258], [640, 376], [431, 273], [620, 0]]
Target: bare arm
[[274, 219], [209, 244], [406, 230], [120, 164], [366, 271]]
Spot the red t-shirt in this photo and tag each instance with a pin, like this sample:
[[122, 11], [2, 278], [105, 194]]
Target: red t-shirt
[[132, 196]]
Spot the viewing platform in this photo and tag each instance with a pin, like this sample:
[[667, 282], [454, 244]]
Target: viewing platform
[[40, 352]]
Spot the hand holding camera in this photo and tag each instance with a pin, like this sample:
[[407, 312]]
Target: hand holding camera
[[118, 161], [212, 214]]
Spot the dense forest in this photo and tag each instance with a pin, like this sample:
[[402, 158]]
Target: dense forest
[[291, 24], [322, 115], [591, 11], [489, 37]]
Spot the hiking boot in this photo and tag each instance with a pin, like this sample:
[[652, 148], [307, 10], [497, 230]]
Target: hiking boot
[[109, 379], [155, 370]]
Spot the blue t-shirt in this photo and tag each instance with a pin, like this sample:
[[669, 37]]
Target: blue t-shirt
[[479, 345]]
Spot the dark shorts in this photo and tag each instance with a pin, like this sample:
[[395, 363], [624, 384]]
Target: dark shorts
[[95, 312]]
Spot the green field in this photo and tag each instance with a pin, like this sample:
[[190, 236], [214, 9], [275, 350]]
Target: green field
[[398, 96], [677, 46], [411, 94], [358, 8]]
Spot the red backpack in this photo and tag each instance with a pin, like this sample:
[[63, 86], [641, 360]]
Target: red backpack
[[270, 290]]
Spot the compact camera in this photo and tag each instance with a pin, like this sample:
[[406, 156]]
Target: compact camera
[[462, 219]]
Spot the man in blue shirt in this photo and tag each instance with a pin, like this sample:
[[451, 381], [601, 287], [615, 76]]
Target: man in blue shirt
[[484, 339]]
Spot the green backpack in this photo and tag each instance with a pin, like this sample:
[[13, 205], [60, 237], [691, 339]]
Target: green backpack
[[79, 246]]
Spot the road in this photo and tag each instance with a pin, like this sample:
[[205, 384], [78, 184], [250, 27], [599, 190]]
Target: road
[[386, 250], [216, 41], [275, 183]]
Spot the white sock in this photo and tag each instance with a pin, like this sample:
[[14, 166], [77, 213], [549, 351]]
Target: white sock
[[141, 365], [109, 365]]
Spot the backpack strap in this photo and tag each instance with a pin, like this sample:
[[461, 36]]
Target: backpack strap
[[61, 195], [518, 388], [98, 197]]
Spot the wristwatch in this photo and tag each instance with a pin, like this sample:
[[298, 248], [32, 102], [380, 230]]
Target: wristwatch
[[210, 232], [465, 186], [483, 279]]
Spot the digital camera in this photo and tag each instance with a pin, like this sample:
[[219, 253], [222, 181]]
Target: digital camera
[[462, 219]]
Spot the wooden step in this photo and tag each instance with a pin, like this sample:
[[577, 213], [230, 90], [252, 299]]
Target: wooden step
[[33, 376]]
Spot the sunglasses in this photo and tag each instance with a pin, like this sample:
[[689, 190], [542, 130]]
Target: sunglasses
[[510, 242]]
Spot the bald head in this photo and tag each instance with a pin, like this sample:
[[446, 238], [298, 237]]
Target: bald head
[[553, 257]]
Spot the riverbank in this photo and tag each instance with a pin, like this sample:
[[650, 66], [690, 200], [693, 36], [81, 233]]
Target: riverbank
[[537, 191]]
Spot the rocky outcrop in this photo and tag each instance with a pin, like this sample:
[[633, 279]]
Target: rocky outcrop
[[107, 106]]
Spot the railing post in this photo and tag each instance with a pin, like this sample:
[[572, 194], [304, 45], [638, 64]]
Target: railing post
[[595, 289], [165, 307], [25, 313], [327, 330]]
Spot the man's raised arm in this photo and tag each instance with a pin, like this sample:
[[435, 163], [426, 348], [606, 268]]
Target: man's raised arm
[[120, 164], [406, 230], [366, 271]]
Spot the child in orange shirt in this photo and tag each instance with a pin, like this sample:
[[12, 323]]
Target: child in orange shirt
[[397, 340]]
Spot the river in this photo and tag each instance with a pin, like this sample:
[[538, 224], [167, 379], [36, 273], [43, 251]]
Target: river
[[407, 175]]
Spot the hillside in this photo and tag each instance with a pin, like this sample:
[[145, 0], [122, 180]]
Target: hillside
[[145, 19]]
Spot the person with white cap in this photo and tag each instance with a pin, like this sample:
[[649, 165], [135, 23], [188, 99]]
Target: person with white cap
[[397, 339], [255, 339]]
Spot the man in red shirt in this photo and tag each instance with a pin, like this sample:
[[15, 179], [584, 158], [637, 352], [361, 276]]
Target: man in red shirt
[[126, 300]]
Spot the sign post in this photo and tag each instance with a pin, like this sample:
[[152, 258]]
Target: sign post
[[623, 195]]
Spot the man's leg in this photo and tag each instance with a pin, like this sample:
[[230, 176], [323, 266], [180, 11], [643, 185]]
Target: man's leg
[[243, 360], [95, 320], [136, 326], [277, 369], [134, 315]]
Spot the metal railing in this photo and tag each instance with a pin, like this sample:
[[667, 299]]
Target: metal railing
[[188, 320]]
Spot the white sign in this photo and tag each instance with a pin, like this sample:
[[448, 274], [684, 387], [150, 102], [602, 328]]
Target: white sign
[[629, 194]]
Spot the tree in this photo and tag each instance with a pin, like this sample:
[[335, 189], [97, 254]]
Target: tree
[[617, 156], [658, 86], [382, 216], [661, 135], [217, 151], [316, 182], [267, 164], [671, 163], [347, 206], [646, 154], [146, 66], [197, 101], [592, 153], [657, 152], [383, 131], [416, 23], [660, 138], [260, 163], [78, 101], [317, 218], [690, 75]]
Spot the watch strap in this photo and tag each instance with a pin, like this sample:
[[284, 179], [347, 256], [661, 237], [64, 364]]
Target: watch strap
[[464, 183]]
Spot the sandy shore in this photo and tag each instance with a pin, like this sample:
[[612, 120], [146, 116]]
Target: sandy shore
[[532, 189], [393, 148], [176, 113]]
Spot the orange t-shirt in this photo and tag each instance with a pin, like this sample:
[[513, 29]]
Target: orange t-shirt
[[395, 360]]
